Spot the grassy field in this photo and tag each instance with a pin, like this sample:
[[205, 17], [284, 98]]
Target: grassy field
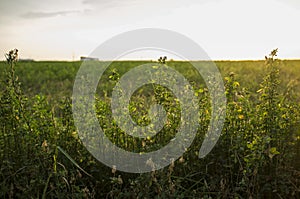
[[55, 79], [257, 155]]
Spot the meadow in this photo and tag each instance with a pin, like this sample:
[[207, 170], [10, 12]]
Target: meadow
[[257, 155]]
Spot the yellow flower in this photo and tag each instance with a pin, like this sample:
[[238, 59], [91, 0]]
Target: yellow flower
[[241, 117]]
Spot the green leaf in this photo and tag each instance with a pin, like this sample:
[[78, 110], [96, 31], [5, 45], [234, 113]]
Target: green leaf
[[272, 152]]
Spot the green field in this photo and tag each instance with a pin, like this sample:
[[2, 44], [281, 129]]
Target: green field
[[55, 79], [257, 155]]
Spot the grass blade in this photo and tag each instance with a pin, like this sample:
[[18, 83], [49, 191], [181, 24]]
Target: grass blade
[[72, 160]]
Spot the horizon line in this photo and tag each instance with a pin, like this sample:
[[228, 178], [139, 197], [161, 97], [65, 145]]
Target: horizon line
[[170, 60], [141, 59]]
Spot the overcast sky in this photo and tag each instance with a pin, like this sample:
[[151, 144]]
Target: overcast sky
[[225, 29]]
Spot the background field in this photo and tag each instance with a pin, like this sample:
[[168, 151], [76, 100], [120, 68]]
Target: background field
[[55, 79], [257, 155]]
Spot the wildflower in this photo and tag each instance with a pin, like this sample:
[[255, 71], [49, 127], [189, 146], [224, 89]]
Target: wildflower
[[45, 146], [162, 60], [151, 164], [172, 165], [181, 159], [120, 181], [241, 117], [12, 56], [114, 169]]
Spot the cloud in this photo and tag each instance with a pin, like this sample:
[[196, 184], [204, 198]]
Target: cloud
[[154, 4], [34, 15], [103, 2], [107, 4]]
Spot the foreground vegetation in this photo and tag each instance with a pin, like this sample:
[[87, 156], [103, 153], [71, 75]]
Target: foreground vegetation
[[257, 155]]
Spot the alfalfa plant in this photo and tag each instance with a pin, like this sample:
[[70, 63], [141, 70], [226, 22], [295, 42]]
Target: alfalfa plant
[[12, 109], [14, 127], [276, 118], [162, 60], [277, 115], [22, 152]]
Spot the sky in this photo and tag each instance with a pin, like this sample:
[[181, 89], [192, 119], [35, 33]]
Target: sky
[[225, 29]]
